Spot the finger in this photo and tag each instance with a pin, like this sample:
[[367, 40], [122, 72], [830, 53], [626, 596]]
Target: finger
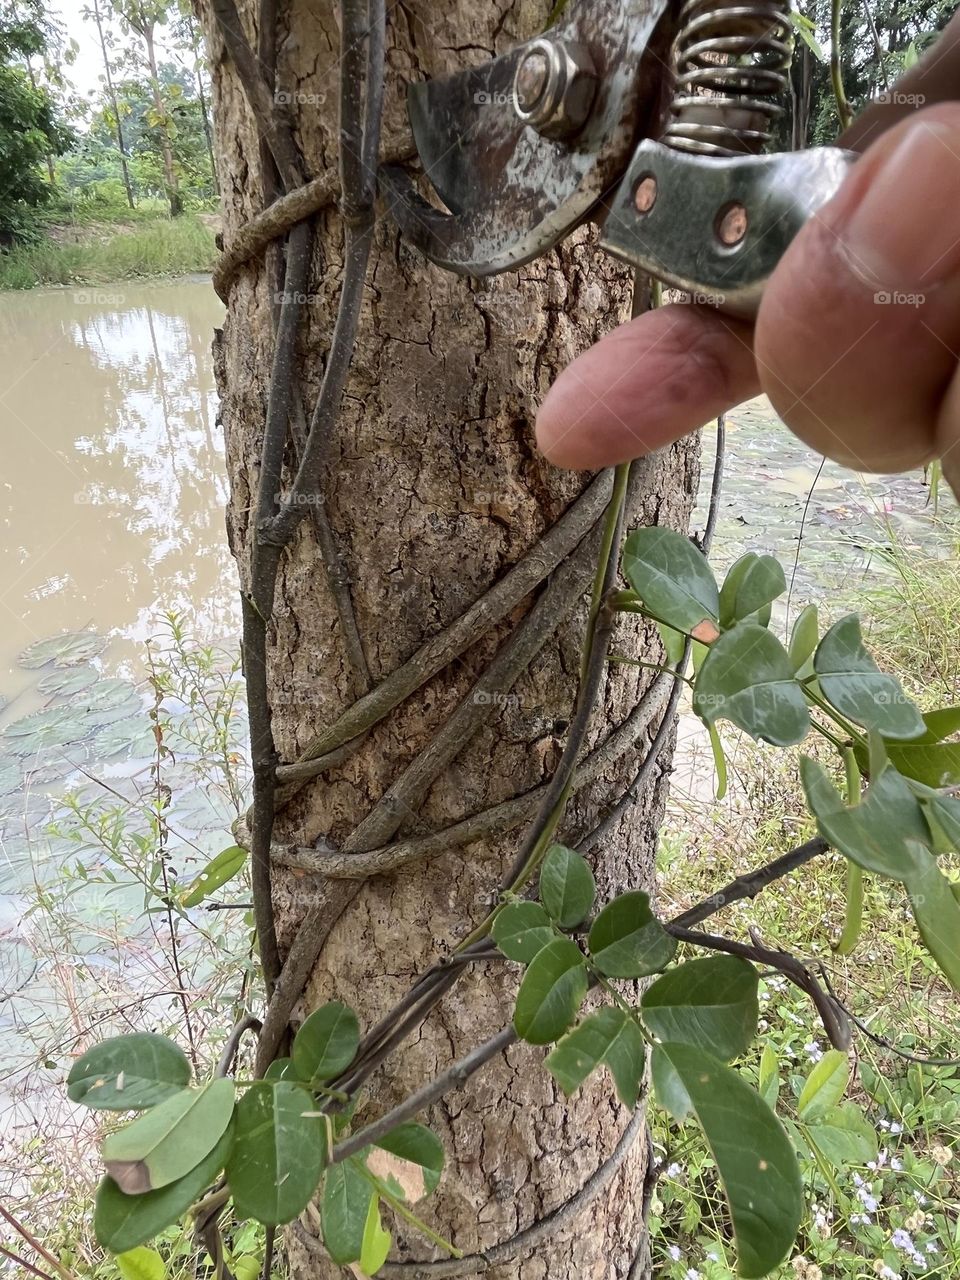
[[859, 329], [646, 384]]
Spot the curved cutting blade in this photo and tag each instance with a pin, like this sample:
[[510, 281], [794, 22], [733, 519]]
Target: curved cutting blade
[[512, 193]]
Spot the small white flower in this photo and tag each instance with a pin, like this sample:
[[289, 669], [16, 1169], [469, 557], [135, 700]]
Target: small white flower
[[674, 1253], [674, 1170], [903, 1241]]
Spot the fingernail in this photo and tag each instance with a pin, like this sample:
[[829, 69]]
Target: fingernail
[[904, 232]]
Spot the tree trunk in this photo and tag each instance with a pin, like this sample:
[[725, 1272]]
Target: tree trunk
[[435, 490], [170, 179], [112, 93]]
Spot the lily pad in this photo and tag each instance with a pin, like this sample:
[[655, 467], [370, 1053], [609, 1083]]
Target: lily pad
[[64, 682], [67, 650], [108, 701], [42, 730]]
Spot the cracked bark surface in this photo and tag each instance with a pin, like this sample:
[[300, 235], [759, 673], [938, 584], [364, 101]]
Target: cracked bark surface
[[435, 490]]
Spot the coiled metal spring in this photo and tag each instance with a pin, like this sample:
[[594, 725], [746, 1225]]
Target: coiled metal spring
[[731, 61]]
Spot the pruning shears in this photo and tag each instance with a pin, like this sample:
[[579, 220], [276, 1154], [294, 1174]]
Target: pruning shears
[[647, 116]]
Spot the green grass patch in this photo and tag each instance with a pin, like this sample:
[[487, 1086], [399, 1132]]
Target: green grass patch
[[162, 247]]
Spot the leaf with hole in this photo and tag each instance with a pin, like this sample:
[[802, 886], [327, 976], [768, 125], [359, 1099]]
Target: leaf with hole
[[279, 1151], [169, 1140], [749, 589], [551, 992], [121, 1222], [885, 834], [376, 1242], [754, 1157], [627, 940], [327, 1042], [343, 1210], [415, 1160], [711, 1002], [747, 678], [227, 864], [567, 887], [824, 1086], [854, 685], [607, 1037], [521, 929], [673, 580], [128, 1073]]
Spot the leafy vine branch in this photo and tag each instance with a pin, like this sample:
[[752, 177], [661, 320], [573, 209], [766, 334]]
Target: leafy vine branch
[[694, 1017]]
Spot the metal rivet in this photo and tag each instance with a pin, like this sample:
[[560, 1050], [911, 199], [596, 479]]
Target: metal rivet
[[732, 224], [645, 195]]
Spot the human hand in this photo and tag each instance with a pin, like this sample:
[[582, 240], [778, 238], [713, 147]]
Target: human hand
[[857, 341]]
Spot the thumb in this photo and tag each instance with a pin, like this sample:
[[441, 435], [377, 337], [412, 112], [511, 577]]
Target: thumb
[[858, 335]]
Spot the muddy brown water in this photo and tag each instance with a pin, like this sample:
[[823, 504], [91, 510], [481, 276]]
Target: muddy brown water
[[112, 487]]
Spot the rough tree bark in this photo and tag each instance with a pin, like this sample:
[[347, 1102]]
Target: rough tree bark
[[435, 489]]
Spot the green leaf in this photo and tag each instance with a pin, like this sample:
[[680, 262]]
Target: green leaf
[[668, 1087], [214, 875], [170, 1140], [710, 1002], [754, 1156], [419, 1148], [567, 887], [885, 834], [279, 1150], [551, 992], [343, 1211], [941, 724], [769, 1081], [824, 1086], [935, 764], [608, 1037], [121, 1222], [673, 580], [719, 761], [128, 1073], [327, 1042], [282, 1069], [747, 678], [627, 940], [522, 929], [937, 913], [376, 1242], [803, 639], [844, 1136], [751, 584], [141, 1264], [854, 685], [805, 30]]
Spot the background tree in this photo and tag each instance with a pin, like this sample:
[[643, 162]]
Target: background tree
[[97, 14], [30, 130], [143, 18], [433, 490]]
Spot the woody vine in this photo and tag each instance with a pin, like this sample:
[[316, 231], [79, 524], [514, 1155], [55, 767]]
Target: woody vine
[[283, 1147]]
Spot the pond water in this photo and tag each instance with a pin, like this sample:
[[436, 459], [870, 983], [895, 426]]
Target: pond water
[[112, 502]]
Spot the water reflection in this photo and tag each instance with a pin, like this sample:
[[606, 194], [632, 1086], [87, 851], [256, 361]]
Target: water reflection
[[112, 489]]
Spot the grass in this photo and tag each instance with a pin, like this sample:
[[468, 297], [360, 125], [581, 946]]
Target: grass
[[895, 1215], [161, 247]]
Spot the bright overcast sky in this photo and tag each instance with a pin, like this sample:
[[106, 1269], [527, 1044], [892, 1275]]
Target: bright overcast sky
[[85, 73]]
